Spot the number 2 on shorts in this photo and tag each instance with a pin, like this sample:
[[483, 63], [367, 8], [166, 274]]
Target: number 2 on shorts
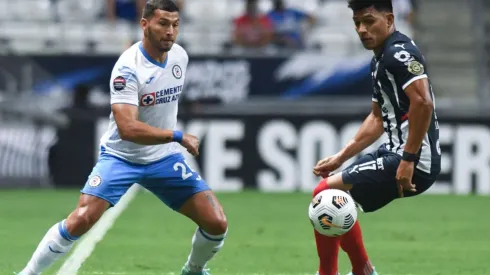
[[184, 167]]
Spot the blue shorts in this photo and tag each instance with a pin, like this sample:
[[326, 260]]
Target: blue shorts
[[170, 179]]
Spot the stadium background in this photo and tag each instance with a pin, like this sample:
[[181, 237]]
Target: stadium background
[[265, 116]]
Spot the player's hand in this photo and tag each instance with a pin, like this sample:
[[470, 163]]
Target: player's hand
[[191, 143], [404, 176], [327, 165]]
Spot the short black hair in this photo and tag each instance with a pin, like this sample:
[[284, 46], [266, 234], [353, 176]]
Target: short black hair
[[152, 5], [379, 5]]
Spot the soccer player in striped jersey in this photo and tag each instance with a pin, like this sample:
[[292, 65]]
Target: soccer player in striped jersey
[[408, 163]]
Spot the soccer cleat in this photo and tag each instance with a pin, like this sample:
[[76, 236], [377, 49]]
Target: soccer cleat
[[187, 271]]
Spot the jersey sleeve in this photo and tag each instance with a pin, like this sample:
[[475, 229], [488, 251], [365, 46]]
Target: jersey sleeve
[[405, 63], [124, 85]]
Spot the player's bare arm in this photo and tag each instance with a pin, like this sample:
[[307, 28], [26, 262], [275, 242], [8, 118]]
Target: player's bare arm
[[420, 115], [370, 131], [133, 130]]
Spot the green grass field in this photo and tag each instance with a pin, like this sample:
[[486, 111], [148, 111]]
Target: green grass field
[[269, 234]]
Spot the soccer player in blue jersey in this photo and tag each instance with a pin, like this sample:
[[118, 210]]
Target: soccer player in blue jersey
[[143, 146]]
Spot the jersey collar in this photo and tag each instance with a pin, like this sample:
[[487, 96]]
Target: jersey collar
[[149, 58], [386, 43]]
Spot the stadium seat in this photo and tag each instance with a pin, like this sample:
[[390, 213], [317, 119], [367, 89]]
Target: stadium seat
[[29, 46], [81, 11], [19, 30], [74, 38], [5, 13], [215, 11], [334, 13], [33, 10], [331, 40], [235, 8], [110, 47], [194, 10], [118, 32], [264, 6], [309, 6]]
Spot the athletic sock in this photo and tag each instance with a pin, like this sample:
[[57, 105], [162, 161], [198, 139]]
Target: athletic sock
[[327, 247], [53, 246], [351, 242], [204, 247]]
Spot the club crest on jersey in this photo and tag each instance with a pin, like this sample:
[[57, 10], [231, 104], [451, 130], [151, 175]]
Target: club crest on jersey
[[94, 181], [147, 100], [119, 83], [177, 71], [415, 67]]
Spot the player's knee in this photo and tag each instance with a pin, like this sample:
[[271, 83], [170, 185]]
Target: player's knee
[[321, 186], [217, 226], [81, 220]]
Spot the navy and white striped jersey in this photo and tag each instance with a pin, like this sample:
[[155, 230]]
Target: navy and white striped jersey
[[398, 66]]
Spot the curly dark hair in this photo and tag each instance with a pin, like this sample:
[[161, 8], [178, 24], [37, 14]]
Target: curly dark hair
[[379, 5]]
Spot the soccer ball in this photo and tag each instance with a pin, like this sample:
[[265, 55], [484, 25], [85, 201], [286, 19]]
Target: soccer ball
[[332, 212]]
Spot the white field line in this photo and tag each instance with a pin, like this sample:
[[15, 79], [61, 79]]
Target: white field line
[[87, 244]]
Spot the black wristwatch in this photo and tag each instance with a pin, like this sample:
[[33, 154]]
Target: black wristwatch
[[410, 157]]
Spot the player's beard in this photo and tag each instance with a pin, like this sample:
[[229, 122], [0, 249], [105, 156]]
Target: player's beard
[[160, 45]]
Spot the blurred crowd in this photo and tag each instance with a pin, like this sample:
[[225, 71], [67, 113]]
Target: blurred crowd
[[286, 27], [282, 27], [108, 26]]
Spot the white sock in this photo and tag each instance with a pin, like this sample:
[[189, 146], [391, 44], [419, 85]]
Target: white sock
[[56, 243], [204, 247]]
